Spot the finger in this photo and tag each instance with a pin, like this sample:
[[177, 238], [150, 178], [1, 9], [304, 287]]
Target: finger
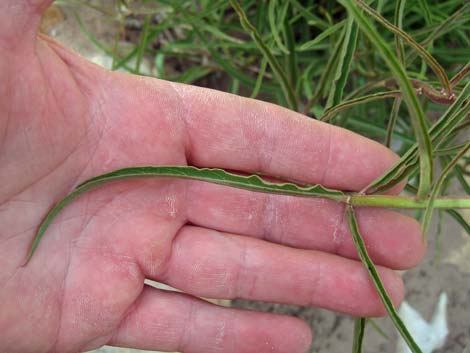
[[19, 20], [393, 239], [176, 322], [220, 265], [237, 133]]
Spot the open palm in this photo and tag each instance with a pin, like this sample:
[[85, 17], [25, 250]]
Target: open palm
[[63, 120]]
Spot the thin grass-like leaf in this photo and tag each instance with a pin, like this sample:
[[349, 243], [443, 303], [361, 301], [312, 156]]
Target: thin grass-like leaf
[[273, 24], [259, 80], [426, 10], [143, 42], [359, 330], [409, 96], [217, 176], [460, 75], [364, 126], [433, 64], [375, 278], [323, 35], [292, 58], [228, 67], [399, 10], [309, 15], [392, 120], [443, 27], [344, 64], [438, 132], [437, 187], [377, 328], [409, 162], [446, 151], [289, 92], [330, 67], [459, 219], [330, 113], [461, 178]]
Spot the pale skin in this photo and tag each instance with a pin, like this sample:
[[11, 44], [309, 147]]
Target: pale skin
[[63, 120]]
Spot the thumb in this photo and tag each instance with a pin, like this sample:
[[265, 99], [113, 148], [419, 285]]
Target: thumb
[[19, 20]]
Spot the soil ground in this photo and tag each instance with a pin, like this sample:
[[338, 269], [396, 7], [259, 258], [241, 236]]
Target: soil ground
[[333, 332]]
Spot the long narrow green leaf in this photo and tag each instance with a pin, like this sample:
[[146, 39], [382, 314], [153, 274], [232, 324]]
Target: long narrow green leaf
[[426, 10], [217, 176], [259, 80], [438, 70], [375, 278], [289, 92], [330, 113], [392, 120], [323, 82], [344, 65], [437, 187], [143, 40], [439, 132], [409, 96], [460, 220], [443, 27], [399, 10], [359, 329], [461, 74], [292, 58], [275, 27], [323, 35], [227, 65], [309, 15]]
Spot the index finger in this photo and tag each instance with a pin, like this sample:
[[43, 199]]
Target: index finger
[[232, 132]]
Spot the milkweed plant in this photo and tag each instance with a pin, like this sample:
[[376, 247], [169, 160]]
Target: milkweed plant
[[335, 62]]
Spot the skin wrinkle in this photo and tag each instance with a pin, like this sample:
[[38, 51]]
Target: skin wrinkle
[[269, 218], [326, 167], [339, 231], [184, 116], [185, 338], [265, 143], [241, 275]]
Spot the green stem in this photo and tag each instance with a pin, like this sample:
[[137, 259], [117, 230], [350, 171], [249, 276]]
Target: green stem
[[407, 202]]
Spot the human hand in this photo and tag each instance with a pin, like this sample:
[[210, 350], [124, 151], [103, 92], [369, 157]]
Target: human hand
[[63, 120]]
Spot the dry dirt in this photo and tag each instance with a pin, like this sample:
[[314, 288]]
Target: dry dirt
[[333, 332]]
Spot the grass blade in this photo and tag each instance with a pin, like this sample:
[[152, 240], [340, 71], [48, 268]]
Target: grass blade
[[375, 278], [289, 92], [344, 65], [259, 79], [409, 96], [392, 120], [330, 113], [217, 176], [322, 83], [291, 59], [359, 329], [323, 35], [438, 132], [437, 187], [309, 15], [459, 75], [273, 24], [443, 26], [143, 42], [428, 58], [399, 10], [460, 220], [426, 10]]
